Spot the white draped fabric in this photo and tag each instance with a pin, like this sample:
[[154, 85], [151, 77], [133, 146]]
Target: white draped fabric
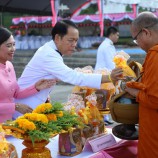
[[126, 1], [141, 3]]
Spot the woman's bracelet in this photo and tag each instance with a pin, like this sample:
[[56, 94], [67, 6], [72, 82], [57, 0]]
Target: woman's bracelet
[[17, 105], [109, 77]]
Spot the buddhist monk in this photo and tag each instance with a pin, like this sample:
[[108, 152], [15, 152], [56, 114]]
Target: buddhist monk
[[144, 30]]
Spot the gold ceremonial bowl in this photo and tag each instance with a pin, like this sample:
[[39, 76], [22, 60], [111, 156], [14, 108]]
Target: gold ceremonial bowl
[[124, 109]]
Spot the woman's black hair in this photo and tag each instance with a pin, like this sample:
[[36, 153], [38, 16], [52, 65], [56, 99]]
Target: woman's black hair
[[61, 28], [4, 34]]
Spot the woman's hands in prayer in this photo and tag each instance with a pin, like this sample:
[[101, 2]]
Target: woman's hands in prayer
[[45, 83], [22, 108]]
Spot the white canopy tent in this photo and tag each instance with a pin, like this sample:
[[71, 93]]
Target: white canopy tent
[[140, 3]]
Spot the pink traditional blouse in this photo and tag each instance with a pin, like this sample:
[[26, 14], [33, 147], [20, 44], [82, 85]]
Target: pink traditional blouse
[[9, 90]]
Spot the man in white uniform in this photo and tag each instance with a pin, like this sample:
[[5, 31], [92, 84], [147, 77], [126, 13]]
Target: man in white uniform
[[106, 50], [105, 55], [48, 63]]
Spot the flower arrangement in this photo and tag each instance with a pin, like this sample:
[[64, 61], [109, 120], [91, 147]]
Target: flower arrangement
[[3, 143], [6, 148], [89, 114], [121, 61], [44, 122], [75, 102]]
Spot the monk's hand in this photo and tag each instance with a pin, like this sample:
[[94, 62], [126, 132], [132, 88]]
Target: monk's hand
[[116, 74], [132, 91], [22, 108], [45, 83]]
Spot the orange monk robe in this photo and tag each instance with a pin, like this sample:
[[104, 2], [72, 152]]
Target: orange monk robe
[[148, 107]]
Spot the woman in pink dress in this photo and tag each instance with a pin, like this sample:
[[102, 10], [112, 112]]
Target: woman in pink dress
[[9, 88]]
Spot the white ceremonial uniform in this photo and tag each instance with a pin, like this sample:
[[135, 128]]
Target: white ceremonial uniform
[[47, 63], [105, 54]]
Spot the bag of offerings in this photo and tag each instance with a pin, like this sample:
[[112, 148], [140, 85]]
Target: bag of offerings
[[92, 119], [120, 60], [131, 70], [70, 143]]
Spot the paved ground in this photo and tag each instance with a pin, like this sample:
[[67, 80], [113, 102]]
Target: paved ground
[[61, 92]]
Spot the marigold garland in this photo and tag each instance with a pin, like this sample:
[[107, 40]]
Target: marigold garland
[[43, 108], [36, 117], [25, 124], [3, 141], [51, 117], [45, 121]]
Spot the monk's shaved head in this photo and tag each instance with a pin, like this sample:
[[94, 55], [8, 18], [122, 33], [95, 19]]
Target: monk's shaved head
[[144, 30], [145, 19]]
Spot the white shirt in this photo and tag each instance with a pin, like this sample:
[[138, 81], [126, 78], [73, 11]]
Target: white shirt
[[47, 63], [105, 55]]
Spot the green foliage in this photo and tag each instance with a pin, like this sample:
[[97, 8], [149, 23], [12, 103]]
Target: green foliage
[[92, 9], [57, 106], [65, 122], [142, 9], [128, 41], [38, 135], [129, 8]]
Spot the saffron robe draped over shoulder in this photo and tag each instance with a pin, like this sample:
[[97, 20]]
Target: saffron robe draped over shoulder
[[9, 90], [148, 107]]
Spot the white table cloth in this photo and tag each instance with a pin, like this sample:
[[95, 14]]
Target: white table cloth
[[53, 146]]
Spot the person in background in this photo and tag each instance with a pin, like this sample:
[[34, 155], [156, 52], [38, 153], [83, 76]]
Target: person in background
[[144, 30], [9, 88], [106, 51], [105, 54], [47, 62]]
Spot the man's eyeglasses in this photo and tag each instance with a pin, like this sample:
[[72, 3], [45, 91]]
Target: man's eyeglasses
[[135, 38]]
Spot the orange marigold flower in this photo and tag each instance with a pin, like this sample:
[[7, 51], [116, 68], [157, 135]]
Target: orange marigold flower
[[42, 108], [51, 117], [25, 124], [36, 117]]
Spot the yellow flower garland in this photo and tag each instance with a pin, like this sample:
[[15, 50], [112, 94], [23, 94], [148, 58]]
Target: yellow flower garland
[[25, 124], [36, 117], [42, 108], [51, 117]]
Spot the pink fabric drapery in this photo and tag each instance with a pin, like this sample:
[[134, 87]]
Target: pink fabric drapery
[[96, 18], [101, 23], [76, 19], [134, 6], [54, 15], [29, 19]]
